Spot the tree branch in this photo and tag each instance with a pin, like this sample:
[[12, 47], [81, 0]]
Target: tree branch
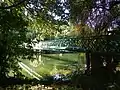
[[12, 6]]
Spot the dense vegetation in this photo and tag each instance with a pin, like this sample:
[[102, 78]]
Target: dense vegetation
[[97, 22]]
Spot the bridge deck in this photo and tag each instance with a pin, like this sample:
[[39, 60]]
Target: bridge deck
[[100, 44]]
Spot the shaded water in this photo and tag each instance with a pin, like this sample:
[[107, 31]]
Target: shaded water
[[51, 64]]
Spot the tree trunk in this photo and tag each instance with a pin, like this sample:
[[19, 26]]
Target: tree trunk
[[96, 62], [88, 62]]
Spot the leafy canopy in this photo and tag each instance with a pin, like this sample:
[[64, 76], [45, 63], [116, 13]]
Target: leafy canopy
[[47, 18]]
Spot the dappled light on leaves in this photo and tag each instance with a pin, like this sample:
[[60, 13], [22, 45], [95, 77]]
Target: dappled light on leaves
[[34, 29]]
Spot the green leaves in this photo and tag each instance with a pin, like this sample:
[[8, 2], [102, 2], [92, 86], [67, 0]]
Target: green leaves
[[79, 10], [12, 35]]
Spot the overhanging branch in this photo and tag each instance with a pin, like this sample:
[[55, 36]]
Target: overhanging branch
[[14, 5]]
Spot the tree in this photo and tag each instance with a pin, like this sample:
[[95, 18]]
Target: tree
[[103, 17], [13, 29], [99, 17], [103, 43]]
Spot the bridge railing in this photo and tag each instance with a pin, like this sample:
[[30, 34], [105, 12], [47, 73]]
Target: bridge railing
[[106, 43]]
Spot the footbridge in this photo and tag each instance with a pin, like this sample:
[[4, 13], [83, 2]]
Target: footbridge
[[100, 44], [59, 46]]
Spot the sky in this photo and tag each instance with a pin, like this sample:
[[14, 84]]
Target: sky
[[101, 15]]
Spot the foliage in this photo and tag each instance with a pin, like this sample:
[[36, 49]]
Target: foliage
[[99, 15], [43, 29], [48, 19], [79, 10], [13, 29]]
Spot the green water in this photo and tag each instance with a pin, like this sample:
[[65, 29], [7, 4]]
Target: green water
[[49, 64]]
